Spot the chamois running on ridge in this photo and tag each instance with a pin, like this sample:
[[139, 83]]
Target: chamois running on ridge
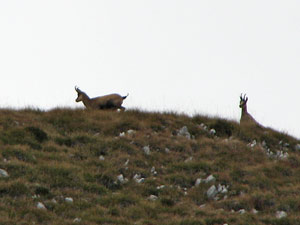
[[111, 101], [246, 118]]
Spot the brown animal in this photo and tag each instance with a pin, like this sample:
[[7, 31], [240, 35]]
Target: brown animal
[[246, 118], [112, 101]]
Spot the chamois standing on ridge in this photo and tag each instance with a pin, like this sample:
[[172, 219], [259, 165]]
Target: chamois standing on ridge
[[111, 101], [246, 118]]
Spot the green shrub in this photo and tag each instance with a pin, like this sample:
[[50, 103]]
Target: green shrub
[[223, 128], [13, 136], [263, 202], [167, 202], [39, 134], [14, 189], [17, 170], [44, 191], [67, 141], [30, 136], [83, 139], [50, 149], [150, 190], [95, 188]]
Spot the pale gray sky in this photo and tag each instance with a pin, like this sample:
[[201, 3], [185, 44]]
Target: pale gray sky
[[190, 56]]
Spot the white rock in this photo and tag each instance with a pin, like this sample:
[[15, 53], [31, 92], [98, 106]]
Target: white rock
[[167, 150], [222, 189], [210, 178], [101, 157], [160, 187], [121, 179], [152, 169], [212, 192], [184, 132], [131, 132], [212, 132], [3, 173], [198, 182], [189, 159], [153, 198], [77, 220], [203, 126], [138, 178], [281, 214], [282, 155], [147, 150], [242, 211], [126, 163], [40, 205], [254, 211], [141, 180], [264, 144], [69, 200], [122, 134], [202, 206], [35, 196], [252, 144]]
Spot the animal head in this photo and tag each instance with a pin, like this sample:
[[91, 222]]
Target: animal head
[[80, 94], [243, 101]]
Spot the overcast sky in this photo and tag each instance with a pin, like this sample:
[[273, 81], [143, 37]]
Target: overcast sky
[[189, 56]]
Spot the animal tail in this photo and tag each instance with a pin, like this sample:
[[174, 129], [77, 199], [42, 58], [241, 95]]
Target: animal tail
[[124, 97]]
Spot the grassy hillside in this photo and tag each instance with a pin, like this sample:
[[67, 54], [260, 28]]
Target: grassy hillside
[[90, 167]]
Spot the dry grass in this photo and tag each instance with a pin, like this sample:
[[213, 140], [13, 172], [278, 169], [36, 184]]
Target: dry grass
[[52, 155]]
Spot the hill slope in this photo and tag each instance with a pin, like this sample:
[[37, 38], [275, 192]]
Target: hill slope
[[84, 167]]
